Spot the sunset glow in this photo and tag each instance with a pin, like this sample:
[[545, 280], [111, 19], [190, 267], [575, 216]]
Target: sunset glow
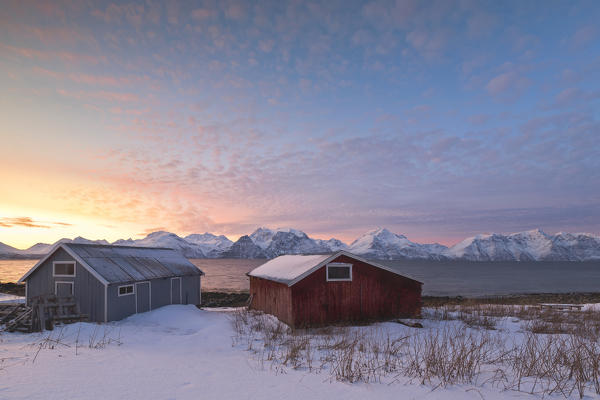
[[432, 119]]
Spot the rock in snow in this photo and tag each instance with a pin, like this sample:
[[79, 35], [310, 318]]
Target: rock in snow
[[533, 245]]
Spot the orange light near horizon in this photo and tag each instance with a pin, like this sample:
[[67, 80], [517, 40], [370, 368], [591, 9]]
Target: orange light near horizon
[[22, 228]]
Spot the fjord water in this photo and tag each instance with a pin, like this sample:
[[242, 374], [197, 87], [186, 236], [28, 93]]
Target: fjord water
[[474, 279], [441, 278], [221, 274]]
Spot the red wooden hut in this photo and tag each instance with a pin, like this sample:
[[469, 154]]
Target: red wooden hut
[[312, 290]]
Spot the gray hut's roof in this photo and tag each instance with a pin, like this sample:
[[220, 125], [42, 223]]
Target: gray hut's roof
[[116, 264]]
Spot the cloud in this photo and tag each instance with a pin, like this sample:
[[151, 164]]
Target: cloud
[[584, 35], [289, 126], [99, 80], [391, 13], [131, 13], [100, 95], [172, 9], [501, 83], [480, 24], [45, 55], [507, 85], [203, 13], [479, 119], [428, 43], [573, 96], [568, 96], [235, 11], [27, 222], [521, 39], [51, 9], [362, 37], [266, 45]]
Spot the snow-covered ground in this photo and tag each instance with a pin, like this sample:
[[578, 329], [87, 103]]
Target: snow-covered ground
[[10, 298], [181, 352], [591, 307]]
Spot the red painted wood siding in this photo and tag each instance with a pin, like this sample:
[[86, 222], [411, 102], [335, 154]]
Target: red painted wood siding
[[373, 294], [271, 297]]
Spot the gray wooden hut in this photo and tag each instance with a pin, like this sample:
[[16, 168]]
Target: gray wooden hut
[[112, 282]]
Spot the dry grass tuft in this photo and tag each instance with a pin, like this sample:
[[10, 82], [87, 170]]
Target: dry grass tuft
[[559, 352]]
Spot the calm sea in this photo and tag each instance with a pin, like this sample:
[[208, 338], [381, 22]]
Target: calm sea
[[223, 274], [440, 278]]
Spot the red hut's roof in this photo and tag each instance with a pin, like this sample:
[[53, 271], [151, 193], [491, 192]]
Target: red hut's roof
[[290, 269]]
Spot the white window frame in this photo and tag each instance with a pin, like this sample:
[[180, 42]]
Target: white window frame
[[338, 265], [68, 282], [54, 274], [126, 294]]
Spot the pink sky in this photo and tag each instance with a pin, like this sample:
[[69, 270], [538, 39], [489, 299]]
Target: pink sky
[[437, 120]]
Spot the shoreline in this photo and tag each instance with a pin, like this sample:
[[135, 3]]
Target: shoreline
[[239, 298], [17, 289]]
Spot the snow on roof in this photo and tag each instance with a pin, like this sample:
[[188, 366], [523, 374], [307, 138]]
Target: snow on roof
[[290, 269], [285, 269]]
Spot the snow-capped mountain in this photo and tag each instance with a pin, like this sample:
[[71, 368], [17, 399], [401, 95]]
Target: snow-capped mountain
[[40, 249], [5, 249], [262, 237], [211, 245], [166, 239], [574, 246], [294, 242], [332, 244], [244, 247], [533, 245], [276, 242], [78, 239], [481, 248], [384, 245]]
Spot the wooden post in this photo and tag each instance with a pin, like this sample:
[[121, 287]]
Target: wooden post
[[34, 318], [41, 316]]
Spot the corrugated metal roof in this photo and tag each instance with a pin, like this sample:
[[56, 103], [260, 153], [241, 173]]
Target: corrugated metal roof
[[126, 263]]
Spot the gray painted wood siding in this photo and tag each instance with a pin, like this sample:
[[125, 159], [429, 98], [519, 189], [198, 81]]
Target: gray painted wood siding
[[89, 292], [87, 289], [161, 292], [120, 307], [190, 290]]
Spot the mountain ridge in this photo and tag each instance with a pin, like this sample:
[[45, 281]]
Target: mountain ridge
[[380, 243]]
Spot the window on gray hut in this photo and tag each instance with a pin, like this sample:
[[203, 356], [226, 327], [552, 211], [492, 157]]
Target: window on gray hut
[[64, 268], [125, 290]]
